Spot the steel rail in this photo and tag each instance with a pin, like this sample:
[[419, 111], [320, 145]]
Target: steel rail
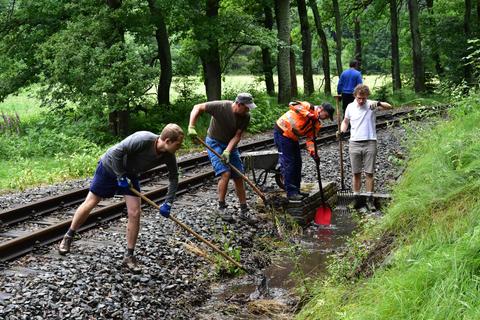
[[19, 246]]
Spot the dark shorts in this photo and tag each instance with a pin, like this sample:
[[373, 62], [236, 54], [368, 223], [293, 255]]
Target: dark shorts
[[217, 163], [104, 183]]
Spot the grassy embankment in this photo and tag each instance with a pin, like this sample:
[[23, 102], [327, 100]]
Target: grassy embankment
[[432, 268], [50, 149]]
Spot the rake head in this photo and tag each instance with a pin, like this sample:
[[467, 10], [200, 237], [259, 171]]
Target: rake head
[[344, 198]]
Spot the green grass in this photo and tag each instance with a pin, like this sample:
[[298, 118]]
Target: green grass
[[434, 270]]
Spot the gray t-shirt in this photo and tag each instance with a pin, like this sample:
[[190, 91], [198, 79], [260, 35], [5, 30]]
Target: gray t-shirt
[[224, 123], [136, 154]]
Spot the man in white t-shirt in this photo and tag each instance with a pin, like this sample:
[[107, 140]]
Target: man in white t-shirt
[[363, 137]]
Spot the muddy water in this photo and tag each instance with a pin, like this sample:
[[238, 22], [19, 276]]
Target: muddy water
[[236, 298]]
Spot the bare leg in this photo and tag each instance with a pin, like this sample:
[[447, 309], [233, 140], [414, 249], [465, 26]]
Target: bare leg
[[223, 185], [357, 182], [82, 212], [240, 190], [133, 224], [369, 182]]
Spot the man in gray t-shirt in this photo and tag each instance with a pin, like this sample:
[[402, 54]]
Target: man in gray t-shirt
[[229, 120], [118, 169]]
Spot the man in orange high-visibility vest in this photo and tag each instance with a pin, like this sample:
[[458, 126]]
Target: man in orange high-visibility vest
[[293, 124]]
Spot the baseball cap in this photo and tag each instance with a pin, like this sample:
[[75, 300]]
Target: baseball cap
[[246, 99], [327, 107]]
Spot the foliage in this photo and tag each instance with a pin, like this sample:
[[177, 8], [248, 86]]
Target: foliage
[[433, 273]]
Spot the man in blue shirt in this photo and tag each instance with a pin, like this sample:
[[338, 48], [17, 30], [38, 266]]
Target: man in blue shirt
[[349, 79]]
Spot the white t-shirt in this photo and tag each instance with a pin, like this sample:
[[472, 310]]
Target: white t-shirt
[[362, 120]]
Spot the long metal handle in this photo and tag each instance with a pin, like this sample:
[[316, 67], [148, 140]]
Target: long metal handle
[[340, 142], [244, 177], [317, 163], [189, 230]]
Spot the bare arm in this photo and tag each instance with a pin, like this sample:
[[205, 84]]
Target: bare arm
[[384, 105], [234, 141], [197, 110], [344, 125]]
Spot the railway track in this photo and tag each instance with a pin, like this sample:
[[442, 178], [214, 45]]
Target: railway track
[[48, 216]]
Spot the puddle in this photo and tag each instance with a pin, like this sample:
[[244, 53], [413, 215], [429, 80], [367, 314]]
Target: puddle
[[234, 298]]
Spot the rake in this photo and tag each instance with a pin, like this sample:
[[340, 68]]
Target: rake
[[344, 195]]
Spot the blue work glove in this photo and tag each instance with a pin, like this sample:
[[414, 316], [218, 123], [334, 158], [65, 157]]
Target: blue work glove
[[123, 182], [226, 156], [165, 209]]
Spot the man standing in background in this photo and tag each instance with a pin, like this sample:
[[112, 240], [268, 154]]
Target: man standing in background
[[348, 80]]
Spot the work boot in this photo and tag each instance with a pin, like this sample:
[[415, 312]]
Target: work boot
[[64, 246], [371, 205], [295, 198], [130, 262], [223, 213], [246, 215], [304, 194]]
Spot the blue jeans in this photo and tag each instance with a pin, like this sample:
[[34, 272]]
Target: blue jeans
[[218, 165], [290, 160]]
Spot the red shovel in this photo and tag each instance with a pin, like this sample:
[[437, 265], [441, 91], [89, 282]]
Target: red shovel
[[323, 214]]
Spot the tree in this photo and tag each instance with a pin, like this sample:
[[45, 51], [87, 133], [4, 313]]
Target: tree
[[210, 55], [306, 48], [338, 37], [266, 55], [163, 53], [324, 47], [395, 64], [467, 70], [282, 17], [418, 67], [358, 40]]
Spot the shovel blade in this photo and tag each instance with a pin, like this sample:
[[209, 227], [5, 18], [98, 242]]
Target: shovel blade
[[323, 216]]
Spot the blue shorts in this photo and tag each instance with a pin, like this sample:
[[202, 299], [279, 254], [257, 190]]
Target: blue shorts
[[218, 164], [104, 183]]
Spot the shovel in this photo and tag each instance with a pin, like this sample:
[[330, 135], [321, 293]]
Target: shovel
[[323, 214], [189, 230], [238, 172]]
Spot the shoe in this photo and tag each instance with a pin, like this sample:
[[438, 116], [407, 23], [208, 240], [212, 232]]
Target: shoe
[[130, 262], [222, 212], [371, 205], [64, 246], [304, 194], [246, 215], [295, 198]]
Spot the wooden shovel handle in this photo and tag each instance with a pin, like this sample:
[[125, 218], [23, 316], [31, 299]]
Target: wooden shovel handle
[[189, 230]]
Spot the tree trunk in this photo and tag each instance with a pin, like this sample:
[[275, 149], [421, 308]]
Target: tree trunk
[[418, 67], [324, 47], [266, 55], [163, 52], [308, 86], [118, 119], [467, 69], [282, 16], [358, 42], [293, 71], [210, 57], [435, 55], [397, 83], [338, 37], [478, 15]]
